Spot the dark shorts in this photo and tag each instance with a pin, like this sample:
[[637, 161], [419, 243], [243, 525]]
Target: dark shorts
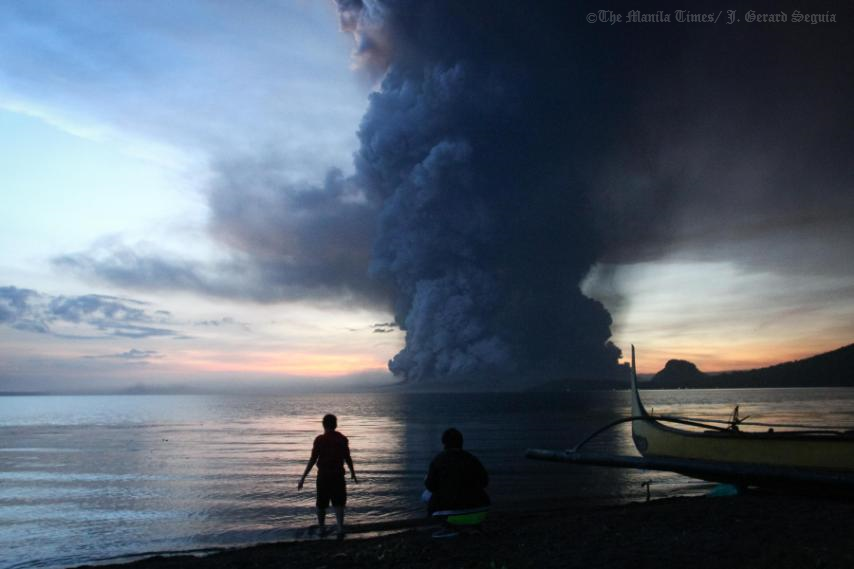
[[331, 488]]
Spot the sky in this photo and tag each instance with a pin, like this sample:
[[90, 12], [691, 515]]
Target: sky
[[278, 194], [115, 119]]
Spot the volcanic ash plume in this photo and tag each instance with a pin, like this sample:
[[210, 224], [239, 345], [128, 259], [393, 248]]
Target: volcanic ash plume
[[470, 149]]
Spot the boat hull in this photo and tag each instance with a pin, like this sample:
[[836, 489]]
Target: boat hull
[[826, 452]]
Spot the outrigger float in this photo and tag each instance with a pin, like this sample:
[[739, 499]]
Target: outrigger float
[[802, 456]]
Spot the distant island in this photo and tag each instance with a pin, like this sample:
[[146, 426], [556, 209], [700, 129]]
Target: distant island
[[830, 369]]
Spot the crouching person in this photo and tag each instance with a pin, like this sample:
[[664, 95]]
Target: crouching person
[[456, 484]]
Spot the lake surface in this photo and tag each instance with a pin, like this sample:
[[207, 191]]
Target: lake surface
[[87, 478]]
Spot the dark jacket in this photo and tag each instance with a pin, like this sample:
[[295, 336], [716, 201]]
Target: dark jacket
[[457, 480]]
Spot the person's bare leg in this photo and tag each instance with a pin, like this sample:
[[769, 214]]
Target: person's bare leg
[[321, 519], [339, 517]]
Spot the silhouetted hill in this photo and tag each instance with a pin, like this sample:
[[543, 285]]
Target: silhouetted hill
[[831, 369], [678, 373]]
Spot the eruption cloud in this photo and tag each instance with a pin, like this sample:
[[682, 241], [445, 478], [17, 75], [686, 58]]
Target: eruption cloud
[[512, 146], [470, 150]]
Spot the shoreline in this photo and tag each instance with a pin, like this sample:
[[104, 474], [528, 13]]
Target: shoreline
[[753, 530]]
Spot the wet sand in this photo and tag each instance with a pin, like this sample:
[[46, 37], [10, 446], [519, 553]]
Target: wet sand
[[751, 531]]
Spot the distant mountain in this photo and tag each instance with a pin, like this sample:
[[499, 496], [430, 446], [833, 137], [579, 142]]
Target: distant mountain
[[678, 373], [831, 369]]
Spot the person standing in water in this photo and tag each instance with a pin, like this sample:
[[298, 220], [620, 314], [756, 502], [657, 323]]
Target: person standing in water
[[330, 451]]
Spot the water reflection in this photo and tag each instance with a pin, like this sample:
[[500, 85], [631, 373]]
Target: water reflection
[[100, 476], [499, 427]]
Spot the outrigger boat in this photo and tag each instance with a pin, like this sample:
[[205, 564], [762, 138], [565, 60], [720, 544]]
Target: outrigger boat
[[817, 457]]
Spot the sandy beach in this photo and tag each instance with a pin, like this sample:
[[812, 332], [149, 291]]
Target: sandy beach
[[755, 531]]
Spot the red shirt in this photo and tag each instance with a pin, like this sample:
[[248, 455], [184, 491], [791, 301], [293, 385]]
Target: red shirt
[[330, 450]]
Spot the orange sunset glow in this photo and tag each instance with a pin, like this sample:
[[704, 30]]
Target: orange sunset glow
[[285, 364], [652, 359]]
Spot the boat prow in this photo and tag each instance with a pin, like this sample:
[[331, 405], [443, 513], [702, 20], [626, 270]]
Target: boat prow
[[638, 410]]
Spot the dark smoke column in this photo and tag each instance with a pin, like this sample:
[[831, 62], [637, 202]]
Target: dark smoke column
[[476, 151]]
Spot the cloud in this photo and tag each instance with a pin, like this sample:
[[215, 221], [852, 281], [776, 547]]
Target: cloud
[[306, 241], [285, 242], [512, 149], [471, 146], [384, 327], [15, 309], [133, 355], [83, 67], [509, 149], [737, 150], [86, 316], [364, 20], [224, 321]]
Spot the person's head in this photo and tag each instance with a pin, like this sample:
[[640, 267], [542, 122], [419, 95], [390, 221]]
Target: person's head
[[330, 422], [452, 438]]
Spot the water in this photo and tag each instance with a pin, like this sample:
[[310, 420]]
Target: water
[[88, 478]]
